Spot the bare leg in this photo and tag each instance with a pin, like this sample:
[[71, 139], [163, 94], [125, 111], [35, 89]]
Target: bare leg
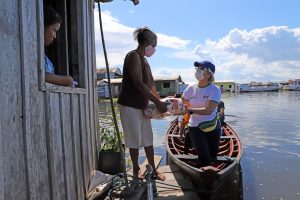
[[150, 157], [134, 155]]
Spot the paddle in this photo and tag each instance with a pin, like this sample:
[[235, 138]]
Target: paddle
[[234, 116], [231, 116]]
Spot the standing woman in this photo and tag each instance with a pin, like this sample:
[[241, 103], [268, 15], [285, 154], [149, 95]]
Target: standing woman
[[52, 23], [204, 123], [137, 89]]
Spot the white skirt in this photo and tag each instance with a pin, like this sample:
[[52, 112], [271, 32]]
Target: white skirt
[[136, 127]]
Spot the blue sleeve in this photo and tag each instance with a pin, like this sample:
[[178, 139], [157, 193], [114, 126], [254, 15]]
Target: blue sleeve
[[48, 66]]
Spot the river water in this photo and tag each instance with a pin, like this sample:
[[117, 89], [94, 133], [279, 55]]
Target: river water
[[268, 124]]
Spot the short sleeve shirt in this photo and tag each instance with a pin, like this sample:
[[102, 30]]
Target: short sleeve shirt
[[199, 97], [49, 67]]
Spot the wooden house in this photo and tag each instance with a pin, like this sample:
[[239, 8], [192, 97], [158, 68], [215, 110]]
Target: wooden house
[[167, 85], [114, 72], [47, 132], [228, 86], [103, 90]]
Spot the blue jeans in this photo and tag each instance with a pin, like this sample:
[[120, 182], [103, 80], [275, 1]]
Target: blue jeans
[[206, 144]]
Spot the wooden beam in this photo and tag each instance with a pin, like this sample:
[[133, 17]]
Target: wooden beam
[[193, 157]]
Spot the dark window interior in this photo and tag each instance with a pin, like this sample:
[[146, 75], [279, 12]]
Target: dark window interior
[[63, 52], [166, 85]]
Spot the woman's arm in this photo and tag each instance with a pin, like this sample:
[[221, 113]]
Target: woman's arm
[[204, 110], [58, 79], [135, 72]]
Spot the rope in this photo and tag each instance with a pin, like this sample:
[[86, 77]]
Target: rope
[[111, 99]]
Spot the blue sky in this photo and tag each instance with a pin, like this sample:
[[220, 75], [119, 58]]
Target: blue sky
[[250, 40]]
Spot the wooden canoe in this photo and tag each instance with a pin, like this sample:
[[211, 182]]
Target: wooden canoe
[[228, 159]]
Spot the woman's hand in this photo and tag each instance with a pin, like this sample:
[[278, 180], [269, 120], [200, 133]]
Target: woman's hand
[[161, 107], [186, 111]]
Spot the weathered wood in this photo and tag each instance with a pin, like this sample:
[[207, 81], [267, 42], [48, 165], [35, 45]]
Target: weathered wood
[[47, 137], [33, 103], [2, 197], [218, 159], [94, 81], [83, 142], [12, 165], [84, 59], [93, 105], [176, 185], [55, 147], [48, 87], [77, 146], [67, 138]]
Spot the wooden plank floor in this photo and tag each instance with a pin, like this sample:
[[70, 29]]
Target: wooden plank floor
[[176, 186]]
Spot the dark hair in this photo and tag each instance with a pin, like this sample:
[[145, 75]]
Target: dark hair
[[51, 16], [144, 34]]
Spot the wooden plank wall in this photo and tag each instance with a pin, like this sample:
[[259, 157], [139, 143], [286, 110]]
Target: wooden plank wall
[[48, 139], [12, 162]]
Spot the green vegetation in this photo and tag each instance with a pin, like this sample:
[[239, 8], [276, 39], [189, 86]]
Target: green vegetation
[[108, 135]]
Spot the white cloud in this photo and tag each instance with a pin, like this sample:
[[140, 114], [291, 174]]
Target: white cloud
[[271, 53], [265, 54], [119, 39]]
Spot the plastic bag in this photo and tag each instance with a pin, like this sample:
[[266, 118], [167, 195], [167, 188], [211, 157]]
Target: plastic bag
[[174, 105]]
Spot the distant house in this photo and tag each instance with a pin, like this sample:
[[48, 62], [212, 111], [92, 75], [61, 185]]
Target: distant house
[[103, 90], [227, 85], [168, 85], [165, 86], [114, 72]]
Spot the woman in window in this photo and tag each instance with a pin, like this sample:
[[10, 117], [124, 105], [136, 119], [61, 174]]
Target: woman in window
[[52, 23]]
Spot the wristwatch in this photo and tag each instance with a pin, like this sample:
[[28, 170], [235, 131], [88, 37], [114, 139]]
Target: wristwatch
[[190, 112]]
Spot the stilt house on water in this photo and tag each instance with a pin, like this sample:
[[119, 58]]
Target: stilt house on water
[[47, 132]]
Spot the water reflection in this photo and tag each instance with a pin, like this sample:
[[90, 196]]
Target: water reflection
[[268, 125]]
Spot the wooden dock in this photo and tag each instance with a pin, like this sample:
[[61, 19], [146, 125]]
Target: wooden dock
[[176, 186]]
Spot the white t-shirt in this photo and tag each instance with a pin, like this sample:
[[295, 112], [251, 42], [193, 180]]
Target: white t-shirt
[[198, 98]]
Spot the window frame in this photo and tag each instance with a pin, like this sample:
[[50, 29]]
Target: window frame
[[163, 85], [79, 37]]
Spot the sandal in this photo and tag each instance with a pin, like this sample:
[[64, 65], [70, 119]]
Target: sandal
[[138, 175], [159, 176]]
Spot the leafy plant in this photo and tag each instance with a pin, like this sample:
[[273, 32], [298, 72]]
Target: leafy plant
[[108, 135]]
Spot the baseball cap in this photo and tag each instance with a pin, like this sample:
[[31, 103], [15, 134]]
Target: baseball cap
[[205, 64]]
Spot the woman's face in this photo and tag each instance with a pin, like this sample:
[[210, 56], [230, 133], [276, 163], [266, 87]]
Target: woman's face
[[50, 33]]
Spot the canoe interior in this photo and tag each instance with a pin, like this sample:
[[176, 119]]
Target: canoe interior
[[230, 149]]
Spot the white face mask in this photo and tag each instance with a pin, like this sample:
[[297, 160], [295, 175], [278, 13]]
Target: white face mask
[[199, 74], [149, 50]]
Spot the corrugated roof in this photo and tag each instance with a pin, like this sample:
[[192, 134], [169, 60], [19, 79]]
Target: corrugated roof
[[112, 81], [111, 70], [168, 78]]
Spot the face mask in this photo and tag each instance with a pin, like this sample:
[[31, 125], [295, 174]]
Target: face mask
[[199, 74], [149, 50]]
